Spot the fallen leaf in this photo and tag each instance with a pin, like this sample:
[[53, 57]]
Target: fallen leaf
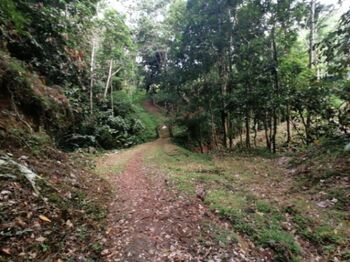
[[59, 260], [40, 239], [105, 252], [69, 224], [6, 251], [44, 218]]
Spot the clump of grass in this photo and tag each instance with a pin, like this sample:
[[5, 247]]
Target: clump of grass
[[281, 242], [222, 236], [263, 206]]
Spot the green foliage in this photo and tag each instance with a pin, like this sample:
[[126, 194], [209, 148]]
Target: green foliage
[[130, 125], [9, 14], [282, 243], [148, 120], [242, 67], [324, 236]]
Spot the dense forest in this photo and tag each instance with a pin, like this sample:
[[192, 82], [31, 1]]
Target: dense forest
[[129, 127]]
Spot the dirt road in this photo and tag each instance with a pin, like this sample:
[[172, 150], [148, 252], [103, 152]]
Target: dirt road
[[150, 221]]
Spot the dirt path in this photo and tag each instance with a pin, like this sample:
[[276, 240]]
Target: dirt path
[[147, 221], [150, 221]]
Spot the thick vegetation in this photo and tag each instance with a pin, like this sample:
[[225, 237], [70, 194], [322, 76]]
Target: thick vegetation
[[230, 69], [69, 67]]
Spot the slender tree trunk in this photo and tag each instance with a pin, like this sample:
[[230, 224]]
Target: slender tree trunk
[[247, 129], [255, 131], [223, 78], [231, 136], [270, 132], [223, 97], [109, 78], [241, 134], [277, 90], [312, 34], [200, 139], [92, 75], [224, 127], [289, 133], [274, 133], [112, 100], [213, 129], [268, 145], [308, 129], [247, 117], [307, 123]]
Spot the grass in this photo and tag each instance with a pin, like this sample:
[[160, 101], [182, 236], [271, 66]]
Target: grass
[[244, 190], [115, 167], [220, 235], [255, 218], [150, 121]]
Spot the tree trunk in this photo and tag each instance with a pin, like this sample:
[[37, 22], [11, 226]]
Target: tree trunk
[[109, 78], [289, 133], [277, 90], [268, 144], [231, 136], [270, 132], [247, 129], [308, 129], [312, 34], [112, 102], [224, 127], [241, 134], [247, 116], [274, 133], [213, 129], [92, 75], [255, 131]]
